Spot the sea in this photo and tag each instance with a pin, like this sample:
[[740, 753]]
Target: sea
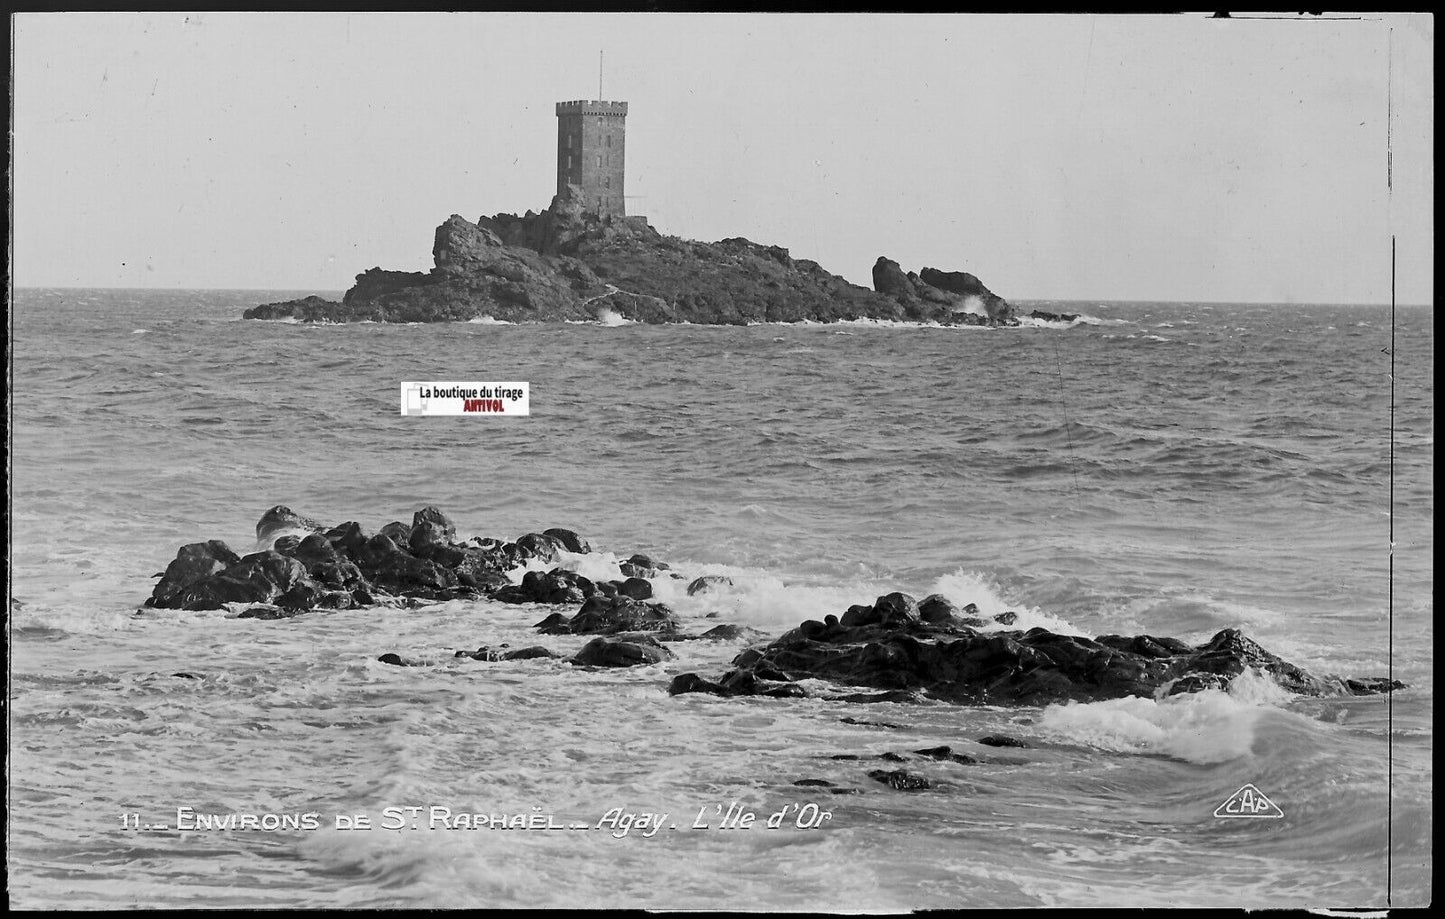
[[1172, 469]]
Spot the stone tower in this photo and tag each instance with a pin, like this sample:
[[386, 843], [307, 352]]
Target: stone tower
[[591, 144]]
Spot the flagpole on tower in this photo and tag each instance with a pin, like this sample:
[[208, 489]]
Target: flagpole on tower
[[599, 76]]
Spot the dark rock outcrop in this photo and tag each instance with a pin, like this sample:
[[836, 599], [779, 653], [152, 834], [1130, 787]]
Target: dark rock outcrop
[[192, 563], [485, 653], [628, 651], [900, 780], [1002, 740], [602, 615], [566, 264], [556, 586], [342, 567], [280, 519], [708, 582], [569, 539], [1046, 316], [890, 646]]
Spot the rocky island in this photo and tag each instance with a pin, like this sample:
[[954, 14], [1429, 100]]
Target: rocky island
[[586, 259], [569, 263]]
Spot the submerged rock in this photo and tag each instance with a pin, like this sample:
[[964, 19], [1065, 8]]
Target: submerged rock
[[1001, 740], [485, 653], [900, 780], [946, 754]]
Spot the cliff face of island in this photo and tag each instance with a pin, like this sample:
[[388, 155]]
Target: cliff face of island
[[567, 264]]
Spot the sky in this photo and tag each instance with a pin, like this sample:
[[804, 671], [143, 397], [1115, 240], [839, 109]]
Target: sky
[[1067, 157]]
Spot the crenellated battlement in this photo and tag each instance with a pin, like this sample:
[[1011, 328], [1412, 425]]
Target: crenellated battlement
[[592, 107]]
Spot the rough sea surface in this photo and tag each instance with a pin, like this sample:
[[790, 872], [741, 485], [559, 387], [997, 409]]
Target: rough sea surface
[[1170, 468]]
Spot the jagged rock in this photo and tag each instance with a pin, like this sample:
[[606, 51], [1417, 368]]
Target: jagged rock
[[609, 615], [1046, 316], [556, 586], [613, 652], [730, 632], [325, 565], [636, 588], [262, 577], [281, 518], [396, 571], [968, 287], [397, 532], [706, 583], [286, 545], [534, 545], [888, 646], [194, 562], [348, 538], [482, 569], [426, 536], [342, 567], [569, 540], [554, 624], [937, 608], [441, 525]]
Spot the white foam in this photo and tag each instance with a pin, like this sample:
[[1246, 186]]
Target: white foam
[[964, 587], [1030, 322], [612, 318], [1204, 727]]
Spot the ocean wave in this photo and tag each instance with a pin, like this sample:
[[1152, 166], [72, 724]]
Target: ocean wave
[[1206, 727]]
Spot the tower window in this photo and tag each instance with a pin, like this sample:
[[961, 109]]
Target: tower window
[[599, 160], [609, 140], [607, 182]]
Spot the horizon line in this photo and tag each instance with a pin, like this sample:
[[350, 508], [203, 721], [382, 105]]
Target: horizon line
[[1155, 300]]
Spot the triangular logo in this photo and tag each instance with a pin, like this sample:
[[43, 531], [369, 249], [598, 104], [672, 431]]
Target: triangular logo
[[1248, 802]]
